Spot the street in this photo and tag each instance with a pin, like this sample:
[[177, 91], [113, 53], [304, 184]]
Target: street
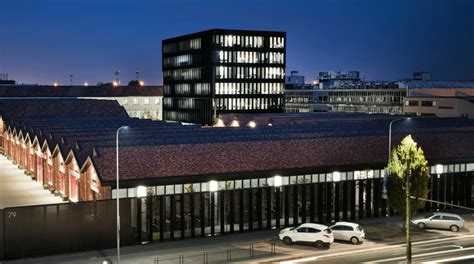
[[384, 244]]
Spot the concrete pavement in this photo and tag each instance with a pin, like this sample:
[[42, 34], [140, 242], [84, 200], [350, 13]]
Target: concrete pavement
[[18, 189]]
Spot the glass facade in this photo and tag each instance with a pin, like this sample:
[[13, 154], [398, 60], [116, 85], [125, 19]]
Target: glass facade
[[196, 209], [225, 71], [345, 100]]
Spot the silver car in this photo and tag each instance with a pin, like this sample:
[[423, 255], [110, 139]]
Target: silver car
[[448, 221]]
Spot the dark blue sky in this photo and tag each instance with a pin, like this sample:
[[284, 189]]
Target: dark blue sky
[[43, 41]]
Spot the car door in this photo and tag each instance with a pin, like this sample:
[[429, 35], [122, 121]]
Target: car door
[[299, 234], [447, 221], [434, 222], [312, 234], [347, 232], [337, 232]]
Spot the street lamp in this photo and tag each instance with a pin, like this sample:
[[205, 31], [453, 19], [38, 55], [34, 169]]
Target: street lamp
[[118, 194], [384, 191]]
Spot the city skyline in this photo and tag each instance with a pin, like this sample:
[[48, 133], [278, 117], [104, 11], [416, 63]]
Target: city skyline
[[50, 40]]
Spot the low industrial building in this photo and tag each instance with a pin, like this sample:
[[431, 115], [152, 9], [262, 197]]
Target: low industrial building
[[139, 101], [263, 171], [441, 99]]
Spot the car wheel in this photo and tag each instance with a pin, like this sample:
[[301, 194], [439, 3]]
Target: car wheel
[[354, 240], [454, 228], [421, 225], [287, 241], [319, 244]]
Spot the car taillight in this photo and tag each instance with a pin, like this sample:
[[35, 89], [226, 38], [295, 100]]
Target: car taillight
[[326, 236]]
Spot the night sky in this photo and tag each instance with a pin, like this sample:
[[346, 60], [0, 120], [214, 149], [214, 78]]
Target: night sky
[[44, 41]]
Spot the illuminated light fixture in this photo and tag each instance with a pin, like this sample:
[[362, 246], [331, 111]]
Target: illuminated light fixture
[[252, 124], [219, 123], [142, 83], [55, 84], [141, 191], [213, 186], [86, 84], [235, 123], [336, 176], [439, 169], [114, 83], [277, 181], [270, 124]]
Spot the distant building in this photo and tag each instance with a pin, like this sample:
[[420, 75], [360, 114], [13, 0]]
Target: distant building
[[439, 98], [365, 97], [337, 79], [422, 76], [223, 71], [139, 101], [294, 79]]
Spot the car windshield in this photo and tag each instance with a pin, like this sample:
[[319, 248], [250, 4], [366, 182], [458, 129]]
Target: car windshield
[[329, 231], [359, 228], [428, 216]]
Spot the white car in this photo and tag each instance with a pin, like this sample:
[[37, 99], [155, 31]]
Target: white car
[[348, 232], [452, 222], [316, 234]]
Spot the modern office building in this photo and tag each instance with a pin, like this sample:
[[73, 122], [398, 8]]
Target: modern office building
[[294, 80], [366, 98], [337, 79], [223, 71]]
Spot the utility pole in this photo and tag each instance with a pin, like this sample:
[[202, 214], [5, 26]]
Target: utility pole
[[408, 212], [71, 76]]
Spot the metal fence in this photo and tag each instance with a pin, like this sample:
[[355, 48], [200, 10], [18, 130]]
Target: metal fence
[[241, 253]]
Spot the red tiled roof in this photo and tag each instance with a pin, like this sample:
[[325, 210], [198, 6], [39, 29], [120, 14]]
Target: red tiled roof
[[253, 156], [56, 108]]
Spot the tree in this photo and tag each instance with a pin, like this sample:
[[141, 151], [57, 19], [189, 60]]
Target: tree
[[408, 177], [407, 161], [134, 83]]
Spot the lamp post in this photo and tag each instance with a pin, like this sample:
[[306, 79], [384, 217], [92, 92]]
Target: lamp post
[[118, 194], [384, 191]]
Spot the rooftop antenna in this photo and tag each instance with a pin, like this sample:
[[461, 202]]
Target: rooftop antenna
[[138, 74], [71, 76], [117, 73]]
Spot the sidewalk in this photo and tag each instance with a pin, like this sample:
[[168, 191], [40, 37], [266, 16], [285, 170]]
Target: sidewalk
[[18, 189]]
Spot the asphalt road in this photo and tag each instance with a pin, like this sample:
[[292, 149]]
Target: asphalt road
[[449, 249]]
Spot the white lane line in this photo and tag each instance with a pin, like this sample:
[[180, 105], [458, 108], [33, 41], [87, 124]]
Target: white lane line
[[299, 260], [383, 248], [423, 255], [451, 259]]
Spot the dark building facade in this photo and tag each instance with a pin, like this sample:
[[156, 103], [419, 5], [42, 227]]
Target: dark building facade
[[223, 71]]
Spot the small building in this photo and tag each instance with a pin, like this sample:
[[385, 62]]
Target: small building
[[439, 98], [223, 71]]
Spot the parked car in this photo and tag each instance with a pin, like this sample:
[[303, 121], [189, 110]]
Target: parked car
[[316, 234], [348, 232], [452, 222]]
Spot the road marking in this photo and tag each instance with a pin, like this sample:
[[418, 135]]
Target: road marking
[[299, 260], [452, 259], [383, 248], [422, 255]]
